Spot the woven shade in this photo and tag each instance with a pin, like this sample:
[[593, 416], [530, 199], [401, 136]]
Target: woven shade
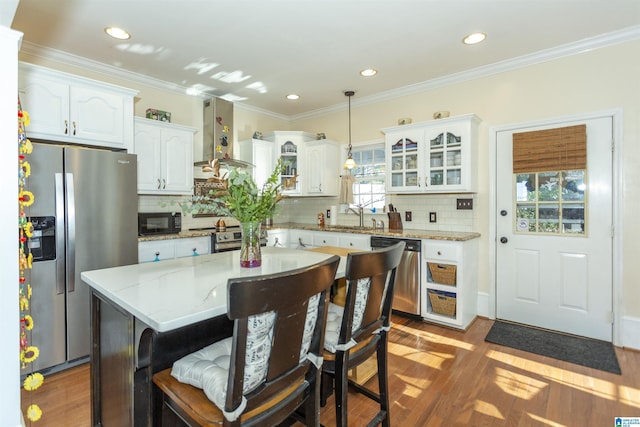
[[550, 150]]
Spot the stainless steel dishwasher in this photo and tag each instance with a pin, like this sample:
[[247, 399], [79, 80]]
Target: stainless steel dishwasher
[[406, 297]]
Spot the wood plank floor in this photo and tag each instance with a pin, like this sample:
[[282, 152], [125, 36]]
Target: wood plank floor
[[439, 376]]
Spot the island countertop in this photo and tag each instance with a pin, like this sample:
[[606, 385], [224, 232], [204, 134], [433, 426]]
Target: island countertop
[[174, 293]]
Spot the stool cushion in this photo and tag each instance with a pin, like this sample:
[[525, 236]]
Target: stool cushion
[[208, 368], [335, 313]]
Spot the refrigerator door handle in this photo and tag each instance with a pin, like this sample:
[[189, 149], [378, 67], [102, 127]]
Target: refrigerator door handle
[[71, 233], [59, 230]]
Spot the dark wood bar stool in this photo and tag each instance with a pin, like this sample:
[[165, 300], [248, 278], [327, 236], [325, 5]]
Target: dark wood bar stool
[[269, 368], [359, 330]]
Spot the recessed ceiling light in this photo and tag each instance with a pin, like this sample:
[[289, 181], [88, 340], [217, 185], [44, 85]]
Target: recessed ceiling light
[[293, 96], [474, 38], [117, 33], [368, 72]]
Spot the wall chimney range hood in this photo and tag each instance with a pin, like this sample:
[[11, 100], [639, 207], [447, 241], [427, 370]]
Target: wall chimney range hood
[[217, 134]]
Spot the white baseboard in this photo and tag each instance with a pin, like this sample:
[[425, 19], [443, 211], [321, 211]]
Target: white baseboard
[[630, 332], [629, 328], [483, 305]]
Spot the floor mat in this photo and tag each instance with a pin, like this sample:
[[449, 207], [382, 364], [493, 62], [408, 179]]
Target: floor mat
[[581, 351]]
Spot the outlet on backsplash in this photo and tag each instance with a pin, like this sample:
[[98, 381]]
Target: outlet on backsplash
[[432, 217], [407, 216], [465, 204]]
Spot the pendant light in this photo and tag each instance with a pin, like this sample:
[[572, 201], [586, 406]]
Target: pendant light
[[350, 163]]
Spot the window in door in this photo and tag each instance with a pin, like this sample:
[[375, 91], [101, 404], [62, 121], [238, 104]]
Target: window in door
[[551, 202], [549, 168], [369, 187]]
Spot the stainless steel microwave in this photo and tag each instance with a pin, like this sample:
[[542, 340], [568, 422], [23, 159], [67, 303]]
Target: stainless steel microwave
[[154, 223]]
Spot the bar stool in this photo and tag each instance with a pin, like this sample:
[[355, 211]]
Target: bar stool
[[357, 331], [269, 368]]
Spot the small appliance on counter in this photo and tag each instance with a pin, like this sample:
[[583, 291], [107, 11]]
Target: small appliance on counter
[[157, 223]]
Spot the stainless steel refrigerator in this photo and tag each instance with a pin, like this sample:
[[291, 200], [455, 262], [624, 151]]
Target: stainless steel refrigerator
[[85, 218]]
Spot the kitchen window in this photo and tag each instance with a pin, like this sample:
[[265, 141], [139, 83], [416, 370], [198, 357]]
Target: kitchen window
[[369, 185]]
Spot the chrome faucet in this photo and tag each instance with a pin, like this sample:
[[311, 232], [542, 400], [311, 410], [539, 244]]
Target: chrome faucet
[[359, 212]]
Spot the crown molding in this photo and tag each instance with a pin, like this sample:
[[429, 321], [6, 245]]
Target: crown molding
[[608, 39]]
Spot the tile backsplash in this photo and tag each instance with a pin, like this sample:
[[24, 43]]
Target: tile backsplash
[[305, 210], [448, 218]]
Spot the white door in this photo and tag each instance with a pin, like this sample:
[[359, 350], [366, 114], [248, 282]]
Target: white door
[[557, 278]]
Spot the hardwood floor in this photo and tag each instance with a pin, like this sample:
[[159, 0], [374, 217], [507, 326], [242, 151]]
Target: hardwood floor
[[439, 376]]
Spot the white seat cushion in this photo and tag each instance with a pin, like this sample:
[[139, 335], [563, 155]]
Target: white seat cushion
[[208, 368], [335, 313]]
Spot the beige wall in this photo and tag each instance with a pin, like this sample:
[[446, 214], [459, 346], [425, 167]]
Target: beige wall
[[602, 79], [593, 81]]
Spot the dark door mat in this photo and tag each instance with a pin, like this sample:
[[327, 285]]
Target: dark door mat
[[581, 351]]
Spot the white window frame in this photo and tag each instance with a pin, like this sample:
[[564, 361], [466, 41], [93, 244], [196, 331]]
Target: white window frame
[[363, 146]]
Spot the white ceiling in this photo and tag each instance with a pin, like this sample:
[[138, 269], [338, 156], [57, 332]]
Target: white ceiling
[[314, 48]]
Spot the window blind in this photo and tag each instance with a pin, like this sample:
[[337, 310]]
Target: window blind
[[550, 150]]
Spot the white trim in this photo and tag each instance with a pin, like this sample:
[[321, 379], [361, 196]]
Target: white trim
[[608, 39], [483, 306], [617, 217], [630, 329]]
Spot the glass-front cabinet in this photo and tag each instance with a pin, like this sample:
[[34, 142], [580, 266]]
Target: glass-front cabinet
[[433, 156], [289, 177], [402, 152], [290, 148]]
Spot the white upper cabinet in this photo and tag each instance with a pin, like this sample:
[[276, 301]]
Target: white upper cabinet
[[71, 109], [262, 155], [165, 157], [310, 165], [438, 156], [321, 167]]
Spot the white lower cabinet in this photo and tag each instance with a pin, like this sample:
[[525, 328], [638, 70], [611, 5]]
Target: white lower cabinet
[[322, 238], [449, 282], [193, 246], [300, 239], [354, 241], [160, 250], [278, 238]]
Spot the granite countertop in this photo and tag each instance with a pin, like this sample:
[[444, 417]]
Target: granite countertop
[[174, 293], [181, 235], [406, 233]]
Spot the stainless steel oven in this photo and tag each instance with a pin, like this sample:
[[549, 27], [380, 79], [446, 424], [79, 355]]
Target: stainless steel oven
[[229, 239], [406, 297]]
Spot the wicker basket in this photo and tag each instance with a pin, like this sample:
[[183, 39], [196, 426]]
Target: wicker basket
[[443, 302], [444, 274]]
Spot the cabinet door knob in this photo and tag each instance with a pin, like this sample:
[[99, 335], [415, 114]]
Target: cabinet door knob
[[164, 183], [74, 128], [158, 183], [439, 253], [503, 240], [66, 127]]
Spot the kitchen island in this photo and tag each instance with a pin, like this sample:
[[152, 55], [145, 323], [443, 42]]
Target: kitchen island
[[146, 316]]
